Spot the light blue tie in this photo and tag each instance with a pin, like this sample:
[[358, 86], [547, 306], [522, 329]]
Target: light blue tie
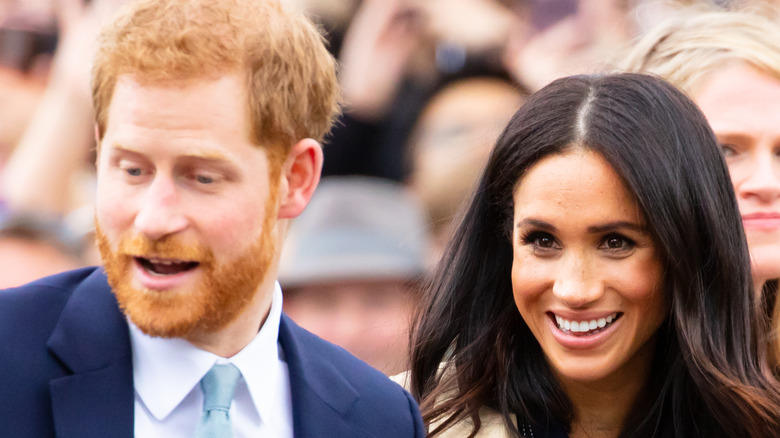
[[218, 386]]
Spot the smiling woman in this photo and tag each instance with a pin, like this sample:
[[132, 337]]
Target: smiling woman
[[586, 274], [599, 283]]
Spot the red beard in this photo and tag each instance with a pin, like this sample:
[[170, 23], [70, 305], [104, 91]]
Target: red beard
[[225, 289]]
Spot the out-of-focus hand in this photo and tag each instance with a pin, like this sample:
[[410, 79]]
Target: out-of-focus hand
[[475, 25], [375, 53], [581, 43], [79, 24], [19, 96], [55, 145]]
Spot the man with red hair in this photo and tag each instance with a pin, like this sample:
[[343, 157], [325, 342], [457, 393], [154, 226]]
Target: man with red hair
[[208, 122]]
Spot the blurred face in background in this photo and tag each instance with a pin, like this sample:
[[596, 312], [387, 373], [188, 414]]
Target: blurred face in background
[[452, 141], [369, 318], [742, 104]]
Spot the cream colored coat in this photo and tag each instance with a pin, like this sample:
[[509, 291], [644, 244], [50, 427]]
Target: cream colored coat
[[492, 423]]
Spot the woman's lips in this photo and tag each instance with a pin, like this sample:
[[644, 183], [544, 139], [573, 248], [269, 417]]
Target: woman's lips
[[584, 338], [761, 221]]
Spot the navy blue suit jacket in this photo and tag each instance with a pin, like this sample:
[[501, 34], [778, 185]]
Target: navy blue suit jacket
[[66, 370]]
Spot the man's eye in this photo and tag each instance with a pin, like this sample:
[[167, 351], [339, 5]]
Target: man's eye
[[133, 171], [203, 179]]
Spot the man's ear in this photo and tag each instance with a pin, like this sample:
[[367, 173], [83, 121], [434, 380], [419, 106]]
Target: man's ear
[[300, 176]]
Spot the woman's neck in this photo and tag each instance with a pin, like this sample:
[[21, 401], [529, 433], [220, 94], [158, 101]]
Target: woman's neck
[[602, 407]]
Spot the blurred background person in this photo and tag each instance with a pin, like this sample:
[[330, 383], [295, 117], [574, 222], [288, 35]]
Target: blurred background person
[[450, 144], [48, 173], [27, 40], [333, 17], [36, 237], [32, 247], [729, 63], [557, 38], [51, 170], [352, 264], [426, 93], [395, 55]]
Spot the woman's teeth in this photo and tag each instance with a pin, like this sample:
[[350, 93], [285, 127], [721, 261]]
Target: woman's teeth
[[592, 326]]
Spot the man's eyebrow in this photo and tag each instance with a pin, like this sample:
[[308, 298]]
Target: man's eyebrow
[[122, 149], [193, 154], [613, 226]]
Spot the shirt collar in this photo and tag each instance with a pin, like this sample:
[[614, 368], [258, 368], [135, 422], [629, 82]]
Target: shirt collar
[[166, 370]]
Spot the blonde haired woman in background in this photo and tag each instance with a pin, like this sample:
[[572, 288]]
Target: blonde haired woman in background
[[729, 63]]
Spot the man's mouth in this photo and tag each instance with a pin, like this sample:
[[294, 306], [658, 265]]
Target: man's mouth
[[586, 327], [162, 267]]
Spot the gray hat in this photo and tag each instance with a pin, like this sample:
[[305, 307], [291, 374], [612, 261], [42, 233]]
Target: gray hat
[[356, 228]]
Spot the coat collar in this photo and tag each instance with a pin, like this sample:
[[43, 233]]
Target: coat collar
[[91, 339], [321, 395]]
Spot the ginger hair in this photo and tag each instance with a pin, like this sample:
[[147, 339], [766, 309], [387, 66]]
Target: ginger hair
[[290, 75]]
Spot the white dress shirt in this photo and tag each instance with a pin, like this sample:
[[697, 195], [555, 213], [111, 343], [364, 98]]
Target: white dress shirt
[[167, 373]]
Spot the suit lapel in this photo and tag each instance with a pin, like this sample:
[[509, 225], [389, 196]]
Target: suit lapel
[[91, 339], [321, 395]]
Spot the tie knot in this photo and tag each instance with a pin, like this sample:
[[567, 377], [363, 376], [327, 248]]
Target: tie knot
[[218, 386]]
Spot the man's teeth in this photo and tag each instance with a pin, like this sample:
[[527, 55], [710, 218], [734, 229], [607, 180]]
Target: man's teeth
[[584, 326], [163, 262], [156, 266]]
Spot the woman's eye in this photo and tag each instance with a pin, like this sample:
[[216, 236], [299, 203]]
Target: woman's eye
[[541, 241], [616, 243], [545, 242]]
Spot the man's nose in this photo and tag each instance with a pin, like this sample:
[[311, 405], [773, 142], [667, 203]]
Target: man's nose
[[577, 283], [160, 213]]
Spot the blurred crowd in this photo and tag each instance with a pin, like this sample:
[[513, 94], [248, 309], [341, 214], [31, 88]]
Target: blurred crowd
[[427, 86]]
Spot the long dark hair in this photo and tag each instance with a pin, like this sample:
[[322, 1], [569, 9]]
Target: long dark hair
[[472, 349]]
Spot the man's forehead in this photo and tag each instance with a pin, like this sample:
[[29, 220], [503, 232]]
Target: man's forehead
[[212, 107]]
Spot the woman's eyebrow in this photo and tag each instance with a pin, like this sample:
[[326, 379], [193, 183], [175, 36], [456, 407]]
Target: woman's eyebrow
[[536, 223], [616, 225]]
